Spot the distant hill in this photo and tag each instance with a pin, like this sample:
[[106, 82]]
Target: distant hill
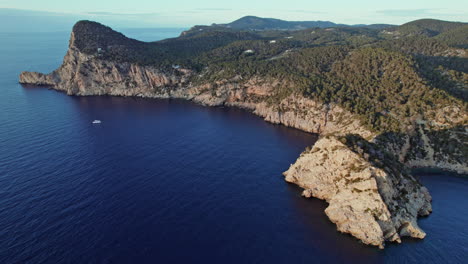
[[375, 26], [253, 23], [258, 23], [426, 27]]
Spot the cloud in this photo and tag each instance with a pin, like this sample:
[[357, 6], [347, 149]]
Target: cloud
[[214, 9], [413, 12], [202, 11], [14, 20], [30, 13], [110, 14], [237, 13], [306, 11]]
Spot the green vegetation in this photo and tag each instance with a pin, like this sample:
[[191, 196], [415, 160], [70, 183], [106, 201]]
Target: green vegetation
[[375, 155], [457, 37], [427, 27], [387, 82]]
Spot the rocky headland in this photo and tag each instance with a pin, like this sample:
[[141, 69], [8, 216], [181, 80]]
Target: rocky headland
[[363, 173]]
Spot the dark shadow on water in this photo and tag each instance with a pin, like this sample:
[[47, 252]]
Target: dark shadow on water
[[151, 106], [427, 172], [322, 233]]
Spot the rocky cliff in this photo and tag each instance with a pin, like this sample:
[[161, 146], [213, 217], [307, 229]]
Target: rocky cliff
[[85, 74], [370, 193]]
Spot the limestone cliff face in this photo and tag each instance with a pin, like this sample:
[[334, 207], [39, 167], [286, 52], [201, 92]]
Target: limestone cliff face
[[312, 116], [373, 202], [87, 74], [84, 74]]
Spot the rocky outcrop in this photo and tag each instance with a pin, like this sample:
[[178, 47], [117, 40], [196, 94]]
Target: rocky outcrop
[[312, 116], [83, 74], [370, 195]]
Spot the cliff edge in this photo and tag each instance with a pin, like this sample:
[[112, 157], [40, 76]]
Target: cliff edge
[[370, 194]]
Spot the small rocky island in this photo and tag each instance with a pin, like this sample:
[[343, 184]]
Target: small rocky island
[[384, 99]]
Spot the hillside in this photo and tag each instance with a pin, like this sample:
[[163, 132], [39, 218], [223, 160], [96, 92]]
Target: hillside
[[258, 23], [457, 37], [425, 27]]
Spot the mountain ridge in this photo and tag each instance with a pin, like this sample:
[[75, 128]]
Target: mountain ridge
[[259, 24], [421, 27]]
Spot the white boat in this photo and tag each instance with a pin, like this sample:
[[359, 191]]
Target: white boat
[[97, 122]]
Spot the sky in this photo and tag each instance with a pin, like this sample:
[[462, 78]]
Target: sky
[[61, 14]]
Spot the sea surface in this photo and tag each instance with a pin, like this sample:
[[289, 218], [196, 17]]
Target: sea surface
[[169, 181]]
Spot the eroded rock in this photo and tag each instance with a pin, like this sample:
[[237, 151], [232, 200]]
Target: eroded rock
[[370, 194]]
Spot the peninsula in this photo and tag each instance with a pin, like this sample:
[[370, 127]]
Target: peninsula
[[384, 99]]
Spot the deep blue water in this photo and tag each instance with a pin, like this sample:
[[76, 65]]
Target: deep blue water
[[167, 181]]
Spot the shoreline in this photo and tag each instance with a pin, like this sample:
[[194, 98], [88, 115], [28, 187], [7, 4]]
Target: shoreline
[[240, 106]]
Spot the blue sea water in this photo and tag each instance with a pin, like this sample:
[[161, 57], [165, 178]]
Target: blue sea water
[[168, 181]]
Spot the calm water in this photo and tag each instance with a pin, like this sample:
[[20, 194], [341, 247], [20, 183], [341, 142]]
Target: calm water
[[168, 181]]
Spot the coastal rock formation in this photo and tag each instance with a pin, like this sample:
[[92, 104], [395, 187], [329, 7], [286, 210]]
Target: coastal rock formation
[[88, 74], [83, 74], [312, 116], [370, 195]]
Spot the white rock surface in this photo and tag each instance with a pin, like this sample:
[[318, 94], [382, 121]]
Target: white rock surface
[[372, 204]]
